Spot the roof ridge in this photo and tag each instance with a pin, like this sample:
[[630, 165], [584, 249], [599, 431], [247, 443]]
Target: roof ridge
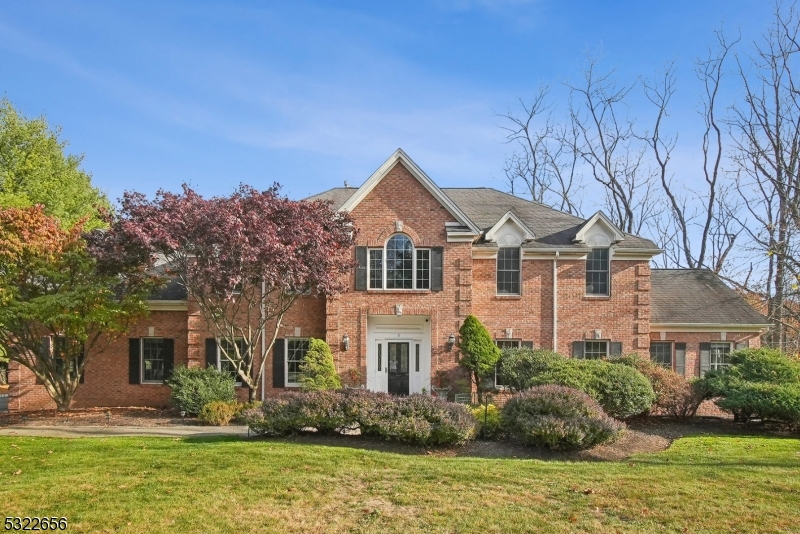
[[534, 202]]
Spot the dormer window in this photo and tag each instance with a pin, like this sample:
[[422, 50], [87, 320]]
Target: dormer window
[[399, 265], [597, 272]]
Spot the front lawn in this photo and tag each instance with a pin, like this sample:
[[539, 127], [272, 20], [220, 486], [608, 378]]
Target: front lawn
[[701, 484]]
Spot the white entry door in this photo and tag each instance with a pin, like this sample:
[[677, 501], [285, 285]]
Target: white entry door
[[398, 354]]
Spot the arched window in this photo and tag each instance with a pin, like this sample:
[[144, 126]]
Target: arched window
[[399, 265], [399, 262]]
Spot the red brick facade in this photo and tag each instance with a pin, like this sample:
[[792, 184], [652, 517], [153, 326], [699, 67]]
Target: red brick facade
[[469, 287]]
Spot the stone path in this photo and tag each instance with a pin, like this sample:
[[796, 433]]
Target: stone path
[[111, 431]]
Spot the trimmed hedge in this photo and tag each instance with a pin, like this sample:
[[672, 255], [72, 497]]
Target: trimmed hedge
[[759, 383], [622, 391], [193, 388], [218, 413], [558, 417], [317, 372], [417, 419]]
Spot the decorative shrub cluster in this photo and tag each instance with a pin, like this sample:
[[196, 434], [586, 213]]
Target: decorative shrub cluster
[[558, 417], [490, 423], [218, 413], [676, 396], [622, 391], [418, 419], [759, 383], [193, 388]]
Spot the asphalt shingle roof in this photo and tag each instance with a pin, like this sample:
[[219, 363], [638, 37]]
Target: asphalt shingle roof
[[697, 296], [485, 206]]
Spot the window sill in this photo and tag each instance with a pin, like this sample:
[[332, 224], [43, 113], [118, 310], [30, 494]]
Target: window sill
[[152, 383], [404, 291], [508, 297], [597, 297]]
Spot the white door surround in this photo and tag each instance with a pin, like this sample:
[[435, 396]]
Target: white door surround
[[412, 329]]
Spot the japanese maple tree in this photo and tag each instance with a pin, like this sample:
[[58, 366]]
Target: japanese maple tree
[[245, 259], [65, 295]]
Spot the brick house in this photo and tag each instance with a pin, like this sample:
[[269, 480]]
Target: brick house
[[428, 257]]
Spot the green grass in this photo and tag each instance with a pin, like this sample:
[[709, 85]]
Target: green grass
[[701, 484]]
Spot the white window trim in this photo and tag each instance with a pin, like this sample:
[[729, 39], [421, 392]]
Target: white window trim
[[286, 382], [608, 277], [238, 380], [519, 345], [383, 267], [671, 353], [717, 367], [606, 341], [141, 362], [497, 259]]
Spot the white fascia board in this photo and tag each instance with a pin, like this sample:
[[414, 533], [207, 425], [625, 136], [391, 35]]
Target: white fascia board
[[167, 305], [509, 215], [550, 253], [421, 177], [600, 217], [645, 254], [455, 237], [708, 327]]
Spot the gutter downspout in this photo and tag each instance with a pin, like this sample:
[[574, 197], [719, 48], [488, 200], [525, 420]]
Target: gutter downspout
[[555, 303], [263, 341]]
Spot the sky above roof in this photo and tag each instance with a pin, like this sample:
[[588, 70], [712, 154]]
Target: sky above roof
[[310, 94]]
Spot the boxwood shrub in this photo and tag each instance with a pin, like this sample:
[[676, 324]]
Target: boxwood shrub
[[759, 383], [558, 417], [621, 390], [193, 388], [417, 419]]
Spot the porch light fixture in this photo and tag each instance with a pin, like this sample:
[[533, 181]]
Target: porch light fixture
[[451, 341], [346, 342]]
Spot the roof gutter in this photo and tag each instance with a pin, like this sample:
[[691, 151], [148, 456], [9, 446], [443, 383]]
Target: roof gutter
[[709, 327]]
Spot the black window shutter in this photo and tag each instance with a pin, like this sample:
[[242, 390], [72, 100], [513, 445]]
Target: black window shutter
[[80, 362], [278, 361], [680, 358], [211, 353], [437, 273], [361, 269], [705, 358], [527, 345], [616, 348], [44, 352], [577, 349], [169, 358], [134, 376]]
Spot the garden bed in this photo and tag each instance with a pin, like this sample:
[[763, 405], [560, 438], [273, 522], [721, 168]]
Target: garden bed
[[644, 435]]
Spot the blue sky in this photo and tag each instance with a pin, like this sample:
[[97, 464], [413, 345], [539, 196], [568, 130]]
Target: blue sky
[[311, 94]]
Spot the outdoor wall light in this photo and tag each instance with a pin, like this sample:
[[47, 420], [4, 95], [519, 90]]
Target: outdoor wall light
[[346, 342], [451, 341]]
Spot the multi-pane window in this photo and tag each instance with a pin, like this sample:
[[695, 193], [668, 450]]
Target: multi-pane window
[[503, 344], [224, 364], [661, 353], [399, 262], [597, 272], [399, 265], [296, 350], [60, 349], [152, 359], [719, 355], [423, 269], [508, 271], [594, 350], [376, 269]]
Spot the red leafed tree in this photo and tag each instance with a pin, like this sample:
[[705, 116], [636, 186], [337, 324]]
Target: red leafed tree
[[65, 295], [245, 259]]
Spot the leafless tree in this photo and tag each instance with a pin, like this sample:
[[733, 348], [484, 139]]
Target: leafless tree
[[766, 142], [542, 162], [607, 144]]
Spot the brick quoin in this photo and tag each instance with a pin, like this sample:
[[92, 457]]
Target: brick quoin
[[469, 287]]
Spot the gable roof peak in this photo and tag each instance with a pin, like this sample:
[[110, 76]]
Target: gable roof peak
[[613, 233], [527, 233], [400, 156]]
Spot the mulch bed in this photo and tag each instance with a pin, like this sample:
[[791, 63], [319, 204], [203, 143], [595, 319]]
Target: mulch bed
[[645, 435], [99, 417]]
